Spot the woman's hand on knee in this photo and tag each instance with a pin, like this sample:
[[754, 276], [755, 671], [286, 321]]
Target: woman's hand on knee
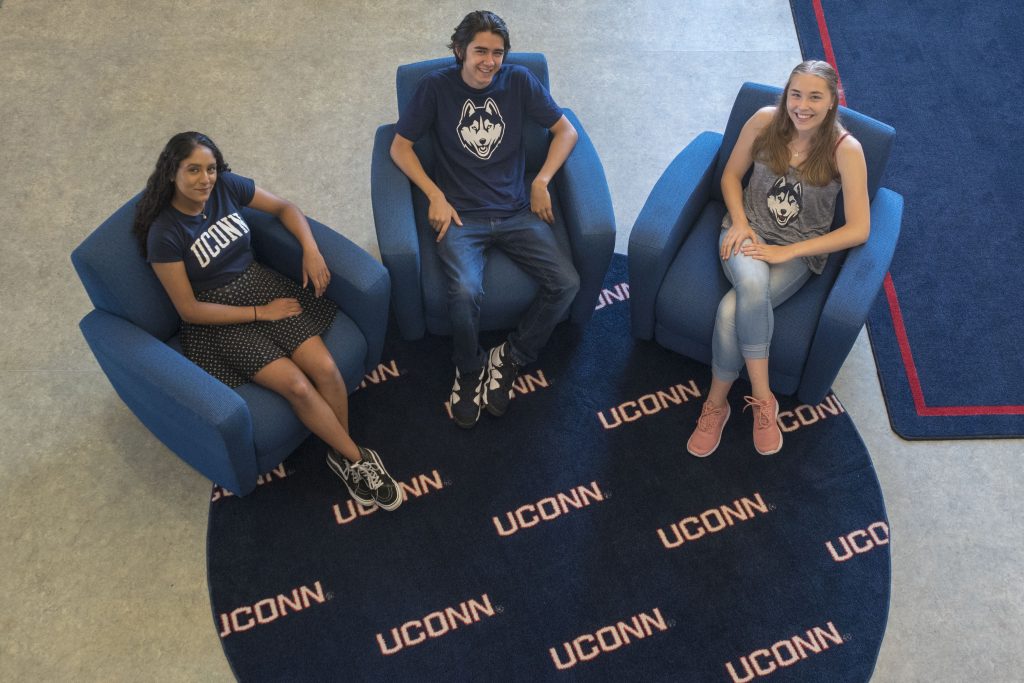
[[769, 253], [278, 309], [735, 237]]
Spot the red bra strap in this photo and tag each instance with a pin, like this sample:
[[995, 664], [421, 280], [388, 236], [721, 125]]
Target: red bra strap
[[841, 138]]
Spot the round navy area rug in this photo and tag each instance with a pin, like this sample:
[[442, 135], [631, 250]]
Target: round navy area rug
[[572, 539]]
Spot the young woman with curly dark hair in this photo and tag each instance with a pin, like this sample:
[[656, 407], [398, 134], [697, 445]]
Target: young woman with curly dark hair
[[241, 321]]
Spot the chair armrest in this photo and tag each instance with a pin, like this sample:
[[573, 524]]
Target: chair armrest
[[360, 285], [395, 222], [199, 418], [665, 220], [586, 206], [854, 292]]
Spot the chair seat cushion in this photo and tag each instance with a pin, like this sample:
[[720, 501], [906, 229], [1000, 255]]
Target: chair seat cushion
[[685, 322], [276, 430]]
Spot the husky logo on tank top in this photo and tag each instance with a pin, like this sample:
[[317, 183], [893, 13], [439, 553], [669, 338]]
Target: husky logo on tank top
[[784, 200]]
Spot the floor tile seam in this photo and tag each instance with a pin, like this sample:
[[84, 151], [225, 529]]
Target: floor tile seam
[[32, 44], [45, 371], [25, 46]]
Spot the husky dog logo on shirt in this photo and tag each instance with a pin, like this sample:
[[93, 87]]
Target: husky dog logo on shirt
[[481, 128], [784, 200]]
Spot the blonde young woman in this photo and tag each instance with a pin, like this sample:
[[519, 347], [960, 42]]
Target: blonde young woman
[[776, 234]]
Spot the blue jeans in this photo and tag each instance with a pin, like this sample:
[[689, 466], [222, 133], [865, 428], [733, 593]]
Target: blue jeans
[[529, 242], [745, 320]]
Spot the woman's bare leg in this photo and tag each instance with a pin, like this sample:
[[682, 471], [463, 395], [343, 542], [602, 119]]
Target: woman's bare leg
[[286, 378]]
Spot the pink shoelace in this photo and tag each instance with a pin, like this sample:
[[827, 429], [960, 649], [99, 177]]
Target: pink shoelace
[[706, 421], [763, 409]]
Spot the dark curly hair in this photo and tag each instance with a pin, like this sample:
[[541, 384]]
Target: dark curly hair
[[160, 186], [472, 24]]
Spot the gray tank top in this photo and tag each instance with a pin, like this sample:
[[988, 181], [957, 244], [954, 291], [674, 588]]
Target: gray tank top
[[784, 209]]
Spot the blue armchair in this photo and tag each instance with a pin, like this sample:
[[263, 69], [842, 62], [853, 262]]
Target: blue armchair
[[676, 281], [229, 435], [584, 224]]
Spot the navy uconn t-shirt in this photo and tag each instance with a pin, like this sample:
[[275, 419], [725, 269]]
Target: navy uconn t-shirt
[[478, 135], [215, 249]]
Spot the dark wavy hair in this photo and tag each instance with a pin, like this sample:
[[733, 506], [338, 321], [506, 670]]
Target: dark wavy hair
[[472, 24], [160, 186]]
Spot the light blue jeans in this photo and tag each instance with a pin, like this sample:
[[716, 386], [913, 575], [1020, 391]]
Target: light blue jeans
[[528, 241], [745, 320]]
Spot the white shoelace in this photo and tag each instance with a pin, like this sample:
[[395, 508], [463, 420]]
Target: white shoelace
[[369, 473]]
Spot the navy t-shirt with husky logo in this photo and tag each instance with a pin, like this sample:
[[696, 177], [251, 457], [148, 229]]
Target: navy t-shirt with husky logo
[[215, 249], [477, 134]]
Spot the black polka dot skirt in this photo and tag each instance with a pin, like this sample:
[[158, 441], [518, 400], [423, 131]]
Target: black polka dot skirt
[[234, 353]]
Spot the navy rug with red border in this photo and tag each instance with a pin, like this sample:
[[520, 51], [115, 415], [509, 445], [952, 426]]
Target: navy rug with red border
[[947, 328], [572, 539]]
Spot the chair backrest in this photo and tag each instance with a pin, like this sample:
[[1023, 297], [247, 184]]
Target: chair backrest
[[535, 137], [117, 278], [875, 137]]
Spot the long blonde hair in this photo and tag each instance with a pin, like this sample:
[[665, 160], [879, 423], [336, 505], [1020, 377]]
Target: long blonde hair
[[770, 146]]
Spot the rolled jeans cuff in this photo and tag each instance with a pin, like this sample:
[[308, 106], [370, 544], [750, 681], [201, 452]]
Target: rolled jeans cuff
[[754, 351], [724, 375]]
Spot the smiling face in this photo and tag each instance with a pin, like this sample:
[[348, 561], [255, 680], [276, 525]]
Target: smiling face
[[194, 180], [482, 59], [808, 101]]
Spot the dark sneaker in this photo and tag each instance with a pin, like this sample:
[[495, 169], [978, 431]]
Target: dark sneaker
[[501, 373], [467, 397], [385, 490], [352, 475]]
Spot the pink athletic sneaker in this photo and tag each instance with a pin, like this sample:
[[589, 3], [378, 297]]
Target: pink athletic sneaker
[[708, 435], [767, 435]]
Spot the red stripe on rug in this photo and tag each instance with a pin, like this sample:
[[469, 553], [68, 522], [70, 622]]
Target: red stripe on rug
[[915, 383], [895, 311], [826, 42]]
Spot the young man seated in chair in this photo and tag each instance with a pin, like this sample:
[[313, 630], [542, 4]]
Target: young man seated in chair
[[475, 112]]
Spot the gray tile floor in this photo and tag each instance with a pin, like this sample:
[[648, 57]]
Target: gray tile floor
[[102, 543]]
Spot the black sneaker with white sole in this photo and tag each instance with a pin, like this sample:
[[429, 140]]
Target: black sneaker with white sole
[[385, 490], [502, 371], [467, 397], [352, 474]]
